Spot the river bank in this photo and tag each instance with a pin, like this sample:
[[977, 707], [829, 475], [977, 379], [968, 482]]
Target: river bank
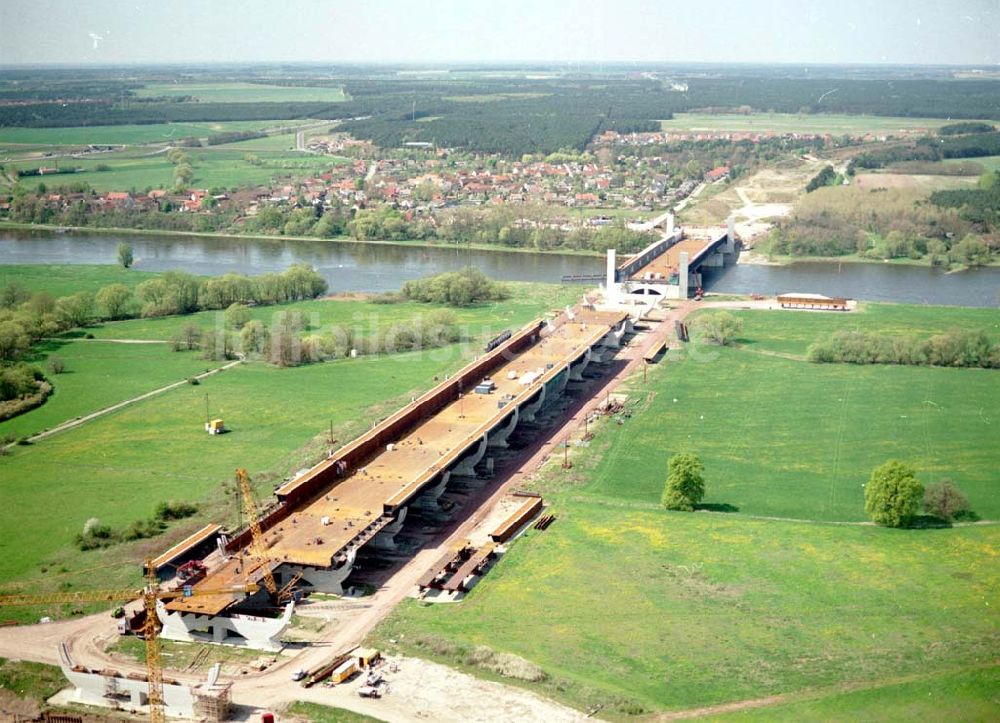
[[351, 266], [752, 257], [407, 243]]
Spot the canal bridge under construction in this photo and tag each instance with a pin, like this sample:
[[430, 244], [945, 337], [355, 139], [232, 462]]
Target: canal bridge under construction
[[359, 496]]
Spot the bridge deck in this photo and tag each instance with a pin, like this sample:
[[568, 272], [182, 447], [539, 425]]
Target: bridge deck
[[667, 263], [393, 478]]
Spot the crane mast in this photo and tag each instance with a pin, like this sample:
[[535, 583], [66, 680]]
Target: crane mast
[[151, 627], [257, 549]]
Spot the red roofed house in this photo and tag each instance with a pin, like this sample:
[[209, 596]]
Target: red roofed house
[[717, 174]]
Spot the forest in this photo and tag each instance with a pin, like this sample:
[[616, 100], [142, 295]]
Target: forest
[[507, 115]]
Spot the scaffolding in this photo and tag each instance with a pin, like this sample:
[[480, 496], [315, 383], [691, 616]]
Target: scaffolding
[[212, 701]]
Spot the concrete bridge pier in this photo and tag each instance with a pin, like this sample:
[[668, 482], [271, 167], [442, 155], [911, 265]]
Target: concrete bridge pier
[[386, 538], [554, 389], [682, 277], [250, 631], [324, 580], [498, 436], [428, 499], [576, 370], [530, 409], [466, 467]]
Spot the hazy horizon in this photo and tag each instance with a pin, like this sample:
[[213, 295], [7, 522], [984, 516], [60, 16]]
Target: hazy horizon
[[404, 32]]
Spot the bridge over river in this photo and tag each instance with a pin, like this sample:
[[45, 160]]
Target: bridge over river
[[671, 266]]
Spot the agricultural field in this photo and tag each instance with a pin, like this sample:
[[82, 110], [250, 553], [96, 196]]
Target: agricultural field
[[243, 92], [989, 163], [779, 585], [833, 124], [214, 167], [923, 183], [128, 134], [492, 97]]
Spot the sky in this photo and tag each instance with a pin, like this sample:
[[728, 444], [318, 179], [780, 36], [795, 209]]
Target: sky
[[427, 32]]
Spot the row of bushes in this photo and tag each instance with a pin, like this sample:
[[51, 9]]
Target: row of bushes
[[284, 344], [826, 177], [96, 535], [951, 349], [22, 387], [177, 292], [25, 317], [456, 288]]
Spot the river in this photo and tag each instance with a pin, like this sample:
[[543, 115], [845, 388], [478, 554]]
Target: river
[[349, 266]]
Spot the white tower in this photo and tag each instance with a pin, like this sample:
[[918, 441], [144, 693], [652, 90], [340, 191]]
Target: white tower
[[611, 286]]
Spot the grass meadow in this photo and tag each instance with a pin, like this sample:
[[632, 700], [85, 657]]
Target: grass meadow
[[778, 586], [316, 713], [66, 279], [99, 374], [798, 123], [989, 163], [969, 694]]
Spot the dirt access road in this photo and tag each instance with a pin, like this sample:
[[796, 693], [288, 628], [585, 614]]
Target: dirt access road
[[756, 200]]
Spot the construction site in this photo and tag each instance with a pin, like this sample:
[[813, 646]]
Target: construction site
[[433, 476]]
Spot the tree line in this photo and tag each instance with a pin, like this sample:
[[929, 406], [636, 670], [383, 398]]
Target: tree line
[[959, 348], [522, 116], [886, 223], [27, 317], [931, 148]]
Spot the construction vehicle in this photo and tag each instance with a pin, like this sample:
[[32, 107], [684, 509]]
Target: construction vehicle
[[215, 426], [192, 571], [151, 628]]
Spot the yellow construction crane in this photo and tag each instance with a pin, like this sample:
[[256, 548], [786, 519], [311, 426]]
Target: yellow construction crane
[[151, 629], [257, 548]]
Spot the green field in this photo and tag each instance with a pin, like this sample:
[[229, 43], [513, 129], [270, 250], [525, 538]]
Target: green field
[[65, 279], [217, 166], [278, 142], [970, 695], [792, 123], [129, 134], [30, 681], [316, 713], [244, 93], [989, 163], [99, 374], [773, 332], [780, 586]]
